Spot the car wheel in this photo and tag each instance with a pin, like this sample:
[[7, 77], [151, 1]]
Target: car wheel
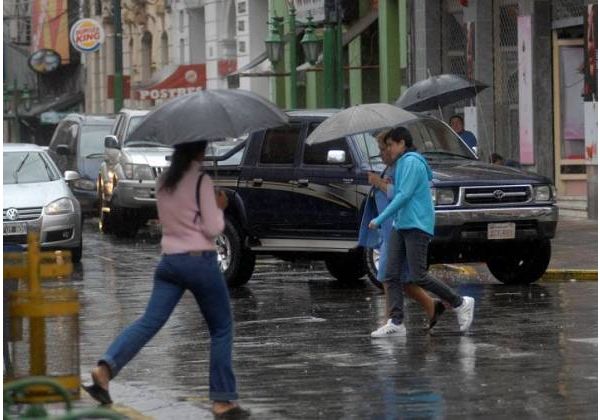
[[236, 261], [521, 265], [372, 263], [76, 254], [347, 268]]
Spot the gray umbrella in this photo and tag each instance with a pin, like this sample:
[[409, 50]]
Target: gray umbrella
[[438, 91], [209, 115], [359, 119]]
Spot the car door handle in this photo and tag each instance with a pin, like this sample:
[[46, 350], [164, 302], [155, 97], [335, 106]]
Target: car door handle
[[257, 182], [302, 182]]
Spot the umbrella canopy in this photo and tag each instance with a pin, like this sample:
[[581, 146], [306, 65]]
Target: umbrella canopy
[[208, 115], [438, 91], [359, 119]]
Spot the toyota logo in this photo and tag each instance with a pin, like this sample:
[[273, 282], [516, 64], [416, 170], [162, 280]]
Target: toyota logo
[[498, 194], [12, 214]]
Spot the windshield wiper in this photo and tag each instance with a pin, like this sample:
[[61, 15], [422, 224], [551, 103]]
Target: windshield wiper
[[93, 155], [16, 172], [144, 143], [440, 152]]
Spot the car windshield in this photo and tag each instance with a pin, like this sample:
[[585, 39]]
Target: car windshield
[[92, 140], [132, 141], [28, 167], [220, 148], [432, 138]]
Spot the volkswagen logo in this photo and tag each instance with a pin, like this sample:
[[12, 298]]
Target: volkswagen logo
[[12, 214], [498, 194]]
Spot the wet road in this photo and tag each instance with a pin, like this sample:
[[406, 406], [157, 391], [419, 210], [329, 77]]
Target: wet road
[[302, 347]]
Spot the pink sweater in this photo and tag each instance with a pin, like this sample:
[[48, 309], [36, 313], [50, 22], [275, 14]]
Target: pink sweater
[[177, 210]]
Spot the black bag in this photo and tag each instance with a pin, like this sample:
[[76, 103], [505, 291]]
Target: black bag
[[198, 184]]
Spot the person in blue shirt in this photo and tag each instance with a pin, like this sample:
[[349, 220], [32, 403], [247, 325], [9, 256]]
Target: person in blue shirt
[[458, 125], [413, 217]]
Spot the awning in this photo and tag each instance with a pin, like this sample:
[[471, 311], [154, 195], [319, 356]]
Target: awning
[[60, 103], [355, 30], [173, 81]]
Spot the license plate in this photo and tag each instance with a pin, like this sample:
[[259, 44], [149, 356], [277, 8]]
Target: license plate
[[15, 228], [501, 231]]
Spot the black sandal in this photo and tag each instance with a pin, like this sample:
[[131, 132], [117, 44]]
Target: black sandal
[[438, 310], [98, 393]]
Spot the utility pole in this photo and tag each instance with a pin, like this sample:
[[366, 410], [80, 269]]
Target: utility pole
[[118, 78], [333, 57]]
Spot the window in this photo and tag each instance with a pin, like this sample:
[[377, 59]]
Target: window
[[27, 167], [241, 26], [92, 139], [241, 7], [279, 145], [316, 154], [242, 47]]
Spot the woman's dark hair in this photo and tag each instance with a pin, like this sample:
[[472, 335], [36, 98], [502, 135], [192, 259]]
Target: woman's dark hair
[[402, 133], [181, 159]]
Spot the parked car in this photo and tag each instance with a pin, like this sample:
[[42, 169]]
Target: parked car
[[36, 196], [126, 179], [78, 145], [300, 201]]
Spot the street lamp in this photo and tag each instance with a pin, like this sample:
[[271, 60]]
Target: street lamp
[[275, 45]]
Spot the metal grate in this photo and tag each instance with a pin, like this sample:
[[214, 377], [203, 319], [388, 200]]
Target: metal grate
[[454, 46], [564, 9], [498, 195], [506, 79], [26, 213]]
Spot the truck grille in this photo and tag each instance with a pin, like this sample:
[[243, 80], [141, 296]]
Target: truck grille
[[498, 195], [157, 170], [26, 213]]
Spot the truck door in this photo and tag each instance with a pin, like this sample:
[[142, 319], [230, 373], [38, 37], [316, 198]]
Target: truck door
[[267, 188], [326, 192]]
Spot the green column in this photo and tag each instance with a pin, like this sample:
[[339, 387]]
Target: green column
[[291, 84], [278, 94], [314, 89], [329, 66], [355, 60], [389, 51]]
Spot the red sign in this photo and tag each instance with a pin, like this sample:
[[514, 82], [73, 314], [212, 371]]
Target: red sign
[[226, 66], [186, 78], [111, 87]]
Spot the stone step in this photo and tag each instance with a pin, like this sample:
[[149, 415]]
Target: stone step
[[572, 203], [564, 213]]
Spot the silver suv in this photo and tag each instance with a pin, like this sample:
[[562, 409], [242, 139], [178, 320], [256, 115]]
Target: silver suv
[[126, 182]]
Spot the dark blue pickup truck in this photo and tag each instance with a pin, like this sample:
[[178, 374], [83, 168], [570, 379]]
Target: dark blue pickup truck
[[299, 201]]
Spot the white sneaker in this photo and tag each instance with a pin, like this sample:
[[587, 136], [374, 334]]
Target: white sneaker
[[389, 330], [464, 313]]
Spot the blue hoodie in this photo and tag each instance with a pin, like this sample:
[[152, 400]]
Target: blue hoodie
[[412, 206]]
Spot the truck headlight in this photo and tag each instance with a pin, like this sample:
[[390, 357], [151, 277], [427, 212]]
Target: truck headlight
[[85, 184], [443, 196], [138, 171], [60, 206], [543, 193]]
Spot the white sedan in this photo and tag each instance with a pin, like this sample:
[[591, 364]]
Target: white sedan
[[36, 196]]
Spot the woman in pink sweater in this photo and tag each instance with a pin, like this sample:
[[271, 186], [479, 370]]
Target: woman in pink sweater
[[189, 262]]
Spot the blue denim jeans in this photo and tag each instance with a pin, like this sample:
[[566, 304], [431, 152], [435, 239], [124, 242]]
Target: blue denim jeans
[[175, 274], [410, 247]]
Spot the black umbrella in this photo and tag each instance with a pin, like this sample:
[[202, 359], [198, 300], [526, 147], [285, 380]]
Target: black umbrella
[[438, 91], [209, 115]]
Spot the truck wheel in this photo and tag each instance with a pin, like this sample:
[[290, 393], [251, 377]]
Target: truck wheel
[[347, 268], [523, 265], [236, 261], [126, 223], [105, 220], [372, 263]]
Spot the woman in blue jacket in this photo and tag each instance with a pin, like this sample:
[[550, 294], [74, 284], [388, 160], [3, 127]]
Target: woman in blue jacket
[[413, 217]]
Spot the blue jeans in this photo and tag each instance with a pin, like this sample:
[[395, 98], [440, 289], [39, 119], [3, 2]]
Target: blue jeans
[[176, 273]]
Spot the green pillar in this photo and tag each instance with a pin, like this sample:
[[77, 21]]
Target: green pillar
[[291, 62], [329, 66], [278, 94], [389, 51], [339, 65], [355, 60], [314, 89]]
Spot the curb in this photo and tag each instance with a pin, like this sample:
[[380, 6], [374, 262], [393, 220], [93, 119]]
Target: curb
[[570, 275]]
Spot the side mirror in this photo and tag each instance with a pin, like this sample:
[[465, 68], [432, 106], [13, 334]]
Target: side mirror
[[111, 142], [336, 157], [63, 150], [71, 176]]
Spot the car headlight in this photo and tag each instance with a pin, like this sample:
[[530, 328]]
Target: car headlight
[[60, 206], [543, 193], [137, 171], [85, 184], [443, 196]]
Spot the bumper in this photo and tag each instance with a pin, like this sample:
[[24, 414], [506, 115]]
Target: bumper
[[56, 232], [135, 194], [471, 225]]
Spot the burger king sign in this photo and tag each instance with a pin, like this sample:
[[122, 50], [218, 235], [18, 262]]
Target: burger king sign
[[86, 35]]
